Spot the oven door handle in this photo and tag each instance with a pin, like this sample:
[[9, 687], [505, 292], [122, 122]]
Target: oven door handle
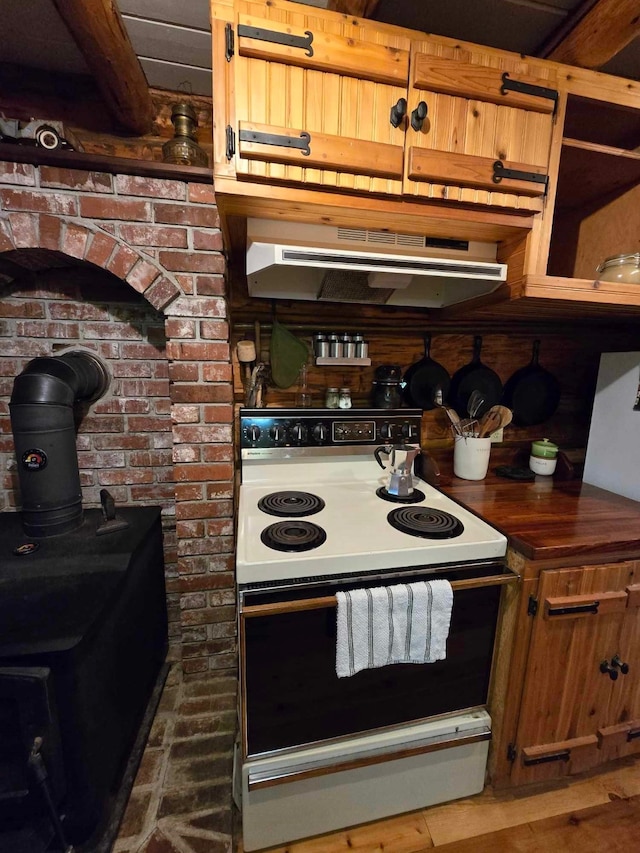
[[279, 607]]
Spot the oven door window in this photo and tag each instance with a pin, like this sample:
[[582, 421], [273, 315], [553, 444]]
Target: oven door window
[[292, 695]]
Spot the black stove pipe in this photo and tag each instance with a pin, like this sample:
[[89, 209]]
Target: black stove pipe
[[44, 435]]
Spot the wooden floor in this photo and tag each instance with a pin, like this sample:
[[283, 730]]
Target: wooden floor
[[592, 813]]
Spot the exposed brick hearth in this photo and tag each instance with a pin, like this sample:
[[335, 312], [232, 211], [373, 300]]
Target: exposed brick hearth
[[132, 269], [181, 799]]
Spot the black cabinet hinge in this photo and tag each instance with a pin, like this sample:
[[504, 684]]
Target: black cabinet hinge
[[287, 39], [302, 141], [528, 89], [231, 142], [512, 752], [500, 171], [532, 609], [229, 42]]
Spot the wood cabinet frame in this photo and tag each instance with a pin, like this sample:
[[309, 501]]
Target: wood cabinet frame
[[375, 198]]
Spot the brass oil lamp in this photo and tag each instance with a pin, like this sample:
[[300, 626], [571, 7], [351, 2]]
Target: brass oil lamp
[[183, 149]]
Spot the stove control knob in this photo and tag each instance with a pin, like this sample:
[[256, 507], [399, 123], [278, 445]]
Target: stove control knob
[[254, 432], [386, 431], [320, 433], [277, 433], [299, 432], [409, 431]]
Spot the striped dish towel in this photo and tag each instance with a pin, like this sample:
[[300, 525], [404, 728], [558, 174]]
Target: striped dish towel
[[406, 623]]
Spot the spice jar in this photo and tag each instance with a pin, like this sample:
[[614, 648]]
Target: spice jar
[[344, 400], [320, 346], [362, 347], [335, 347], [348, 346], [332, 397]]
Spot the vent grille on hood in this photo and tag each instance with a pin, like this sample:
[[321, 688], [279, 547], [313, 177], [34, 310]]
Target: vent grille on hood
[[398, 263]]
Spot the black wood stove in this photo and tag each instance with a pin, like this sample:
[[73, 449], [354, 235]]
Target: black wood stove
[[83, 630]]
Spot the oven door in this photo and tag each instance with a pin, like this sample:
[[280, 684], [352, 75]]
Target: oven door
[[291, 696]]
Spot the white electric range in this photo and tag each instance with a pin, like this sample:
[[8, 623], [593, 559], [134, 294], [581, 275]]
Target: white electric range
[[316, 515]]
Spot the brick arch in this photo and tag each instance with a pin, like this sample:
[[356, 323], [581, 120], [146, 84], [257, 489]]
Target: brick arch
[[162, 237], [91, 243]]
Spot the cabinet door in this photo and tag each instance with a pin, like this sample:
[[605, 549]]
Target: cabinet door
[[566, 697], [487, 134], [313, 98], [621, 735]]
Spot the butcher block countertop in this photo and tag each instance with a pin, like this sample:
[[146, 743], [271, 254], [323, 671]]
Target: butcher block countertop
[[568, 521]]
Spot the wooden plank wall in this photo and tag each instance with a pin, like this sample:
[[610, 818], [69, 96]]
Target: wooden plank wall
[[569, 350]]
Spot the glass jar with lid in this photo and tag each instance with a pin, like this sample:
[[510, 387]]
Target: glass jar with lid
[[332, 398], [625, 268], [344, 399]]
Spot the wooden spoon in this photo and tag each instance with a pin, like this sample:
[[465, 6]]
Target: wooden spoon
[[494, 419]]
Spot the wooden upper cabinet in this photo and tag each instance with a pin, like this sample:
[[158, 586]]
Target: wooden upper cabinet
[[486, 136], [582, 622], [313, 93]]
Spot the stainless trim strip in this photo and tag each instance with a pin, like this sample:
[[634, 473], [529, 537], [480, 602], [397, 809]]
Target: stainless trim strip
[[296, 772]]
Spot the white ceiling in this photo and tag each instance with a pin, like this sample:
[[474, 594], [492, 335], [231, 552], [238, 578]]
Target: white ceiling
[[172, 37]]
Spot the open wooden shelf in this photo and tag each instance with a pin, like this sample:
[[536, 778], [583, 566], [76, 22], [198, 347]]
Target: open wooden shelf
[[13, 153], [590, 172]]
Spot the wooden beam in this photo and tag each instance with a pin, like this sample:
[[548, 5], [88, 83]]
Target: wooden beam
[[99, 32], [604, 30], [26, 93], [358, 8]]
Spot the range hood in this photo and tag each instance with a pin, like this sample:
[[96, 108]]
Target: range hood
[[288, 260]]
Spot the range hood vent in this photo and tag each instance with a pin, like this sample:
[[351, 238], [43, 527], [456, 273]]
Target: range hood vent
[[317, 262]]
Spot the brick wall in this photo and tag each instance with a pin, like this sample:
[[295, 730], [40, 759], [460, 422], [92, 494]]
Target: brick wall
[[132, 269]]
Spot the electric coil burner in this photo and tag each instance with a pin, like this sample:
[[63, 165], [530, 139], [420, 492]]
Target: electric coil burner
[[291, 504], [414, 498], [293, 536], [426, 522]]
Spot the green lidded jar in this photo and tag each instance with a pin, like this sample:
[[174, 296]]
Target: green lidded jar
[[544, 449]]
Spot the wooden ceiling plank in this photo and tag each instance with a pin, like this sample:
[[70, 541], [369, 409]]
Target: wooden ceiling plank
[[358, 8], [607, 28], [100, 34]]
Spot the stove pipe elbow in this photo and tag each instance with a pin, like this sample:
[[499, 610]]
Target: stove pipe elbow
[[42, 421]]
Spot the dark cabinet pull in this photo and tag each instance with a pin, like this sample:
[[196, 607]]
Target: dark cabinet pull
[[419, 115], [564, 755], [633, 734], [575, 608], [605, 667], [623, 667], [398, 112]]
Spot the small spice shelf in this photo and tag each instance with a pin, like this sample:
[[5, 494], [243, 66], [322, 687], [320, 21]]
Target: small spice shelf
[[327, 361]]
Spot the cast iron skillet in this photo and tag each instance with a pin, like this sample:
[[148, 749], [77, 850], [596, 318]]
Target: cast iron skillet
[[423, 378], [532, 393], [474, 376]]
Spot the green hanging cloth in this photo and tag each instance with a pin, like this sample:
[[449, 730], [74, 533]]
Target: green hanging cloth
[[288, 354]]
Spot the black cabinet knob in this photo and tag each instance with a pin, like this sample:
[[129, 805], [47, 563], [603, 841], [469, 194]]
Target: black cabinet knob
[[606, 668], [398, 112], [419, 115], [622, 666]]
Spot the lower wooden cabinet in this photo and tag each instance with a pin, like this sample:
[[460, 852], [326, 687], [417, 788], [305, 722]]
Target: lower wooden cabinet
[[580, 696]]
